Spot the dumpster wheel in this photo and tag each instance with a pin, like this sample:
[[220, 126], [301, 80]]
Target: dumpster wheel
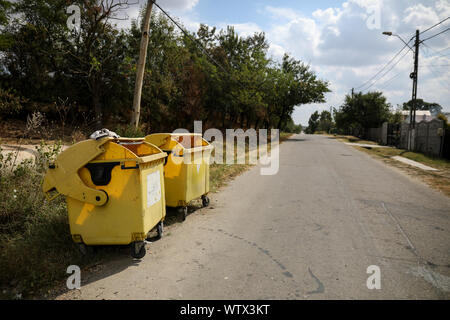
[[85, 250], [159, 230], [184, 212], [138, 249], [205, 201]]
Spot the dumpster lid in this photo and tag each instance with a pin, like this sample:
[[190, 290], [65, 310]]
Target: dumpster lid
[[169, 141], [63, 175]]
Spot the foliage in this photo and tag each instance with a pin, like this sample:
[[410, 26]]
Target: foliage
[[291, 127], [396, 117], [5, 7], [442, 117], [94, 69], [313, 123], [361, 112], [10, 103], [326, 123], [434, 107], [33, 232]]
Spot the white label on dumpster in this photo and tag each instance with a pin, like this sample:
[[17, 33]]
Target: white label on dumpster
[[153, 188]]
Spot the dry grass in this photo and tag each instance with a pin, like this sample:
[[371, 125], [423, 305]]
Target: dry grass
[[35, 242], [220, 174]]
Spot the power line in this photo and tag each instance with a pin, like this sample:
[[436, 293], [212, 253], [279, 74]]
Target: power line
[[434, 65], [433, 70], [203, 49], [435, 35], [398, 61], [382, 69], [435, 25], [205, 52], [385, 84], [438, 53]]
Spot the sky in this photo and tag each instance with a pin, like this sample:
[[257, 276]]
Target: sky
[[342, 41]]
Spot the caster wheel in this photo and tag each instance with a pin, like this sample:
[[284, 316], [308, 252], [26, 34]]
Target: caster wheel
[[184, 212], [85, 250], [205, 201], [159, 230], [138, 250]]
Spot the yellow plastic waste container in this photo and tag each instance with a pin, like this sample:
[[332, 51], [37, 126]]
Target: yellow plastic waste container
[[114, 190], [186, 171]]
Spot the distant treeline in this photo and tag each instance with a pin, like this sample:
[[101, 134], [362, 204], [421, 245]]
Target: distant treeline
[[230, 83]]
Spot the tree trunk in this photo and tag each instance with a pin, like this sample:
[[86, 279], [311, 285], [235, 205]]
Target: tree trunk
[[141, 66], [96, 101]]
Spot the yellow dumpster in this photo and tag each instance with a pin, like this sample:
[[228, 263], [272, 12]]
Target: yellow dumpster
[[186, 171], [114, 190]]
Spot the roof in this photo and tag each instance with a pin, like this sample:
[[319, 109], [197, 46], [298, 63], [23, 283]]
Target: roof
[[418, 113]]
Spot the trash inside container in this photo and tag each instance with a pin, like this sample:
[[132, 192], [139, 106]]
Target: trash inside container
[[114, 190], [186, 171]]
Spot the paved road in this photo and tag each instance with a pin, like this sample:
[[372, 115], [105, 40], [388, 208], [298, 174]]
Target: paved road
[[309, 232]]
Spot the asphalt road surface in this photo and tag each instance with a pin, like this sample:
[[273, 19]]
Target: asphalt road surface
[[309, 232]]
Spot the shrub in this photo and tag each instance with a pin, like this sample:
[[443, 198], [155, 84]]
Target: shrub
[[35, 242], [9, 102]]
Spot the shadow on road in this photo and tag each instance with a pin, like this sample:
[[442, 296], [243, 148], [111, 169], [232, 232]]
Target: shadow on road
[[117, 258], [295, 140]]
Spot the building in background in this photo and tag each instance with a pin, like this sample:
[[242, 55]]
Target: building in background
[[421, 115]]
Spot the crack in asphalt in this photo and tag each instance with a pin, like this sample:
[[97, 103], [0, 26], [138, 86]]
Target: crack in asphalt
[[320, 286], [434, 278], [266, 252]]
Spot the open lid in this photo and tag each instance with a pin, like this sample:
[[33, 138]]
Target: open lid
[[173, 141]]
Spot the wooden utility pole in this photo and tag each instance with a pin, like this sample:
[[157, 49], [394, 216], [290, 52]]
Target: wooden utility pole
[[141, 66]]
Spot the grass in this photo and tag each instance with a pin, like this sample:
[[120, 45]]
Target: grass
[[35, 241], [438, 180], [220, 174]]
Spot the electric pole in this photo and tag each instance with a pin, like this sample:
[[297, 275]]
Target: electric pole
[[414, 76], [141, 66]]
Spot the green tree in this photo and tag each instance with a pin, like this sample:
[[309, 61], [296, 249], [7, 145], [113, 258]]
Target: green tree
[[442, 117], [291, 127], [313, 122], [433, 107], [396, 117], [5, 7], [229, 82], [361, 112], [304, 87], [325, 122]]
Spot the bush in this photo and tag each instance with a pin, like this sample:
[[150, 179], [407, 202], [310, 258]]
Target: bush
[[10, 103], [129, 131], [35, 242]]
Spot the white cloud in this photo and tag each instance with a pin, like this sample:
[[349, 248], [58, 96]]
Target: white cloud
[[421, 16], [343, 50], [243, 29], [179, 5], [173, 7], [340, 47], [328, 16], [282, 13]]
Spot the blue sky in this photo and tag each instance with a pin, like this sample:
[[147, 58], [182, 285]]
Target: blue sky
[[341, 40]]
